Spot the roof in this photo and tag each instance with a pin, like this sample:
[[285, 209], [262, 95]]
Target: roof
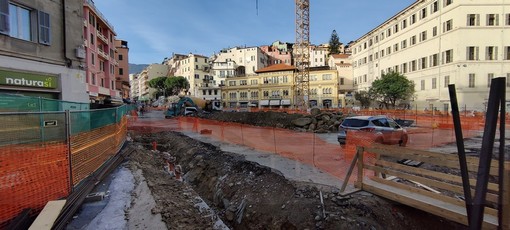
[[276, 68], [340, 55]]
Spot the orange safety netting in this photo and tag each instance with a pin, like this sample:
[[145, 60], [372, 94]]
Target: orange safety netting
[[30, 176]]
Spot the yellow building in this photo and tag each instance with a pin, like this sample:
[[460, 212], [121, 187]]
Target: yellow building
[[273, 87]]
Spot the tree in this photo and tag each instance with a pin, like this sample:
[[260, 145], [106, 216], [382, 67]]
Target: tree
[[364, 98], [175, 85], [392, 88], [334, 43], [158, 84]]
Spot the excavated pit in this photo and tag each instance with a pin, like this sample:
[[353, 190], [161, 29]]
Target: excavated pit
[[246, 195]]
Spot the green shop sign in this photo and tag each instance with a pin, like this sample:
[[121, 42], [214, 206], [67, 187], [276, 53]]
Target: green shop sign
[[27, 79]]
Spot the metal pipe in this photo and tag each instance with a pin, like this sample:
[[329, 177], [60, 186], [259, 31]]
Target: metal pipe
[[484, 165], [461, 150]]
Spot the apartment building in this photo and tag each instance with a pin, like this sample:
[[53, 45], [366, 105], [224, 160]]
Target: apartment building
[[272, 87], [196, 69], [278, 53], [342, 64], [134, 86], [152, 71], [237, 61], [173, 63], [122, 72], [318, 55], [41, 49], [436, 43], [101, 63]]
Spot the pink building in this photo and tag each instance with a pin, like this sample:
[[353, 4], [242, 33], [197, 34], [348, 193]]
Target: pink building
[[100, 50], [278, 53]]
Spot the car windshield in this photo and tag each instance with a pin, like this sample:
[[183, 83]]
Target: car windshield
[[354, 123]]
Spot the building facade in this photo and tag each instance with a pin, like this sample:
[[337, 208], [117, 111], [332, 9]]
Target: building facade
[[196, 69], [342, 64], [278, 53], [101, 63], [145, 93], [273, 87], [122, 72], [41, 49], [435, 43]]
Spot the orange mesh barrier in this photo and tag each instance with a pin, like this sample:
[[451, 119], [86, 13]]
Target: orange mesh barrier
[[30, 176], [91, 149]]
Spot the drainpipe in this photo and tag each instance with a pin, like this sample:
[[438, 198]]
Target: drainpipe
[[68, 61]]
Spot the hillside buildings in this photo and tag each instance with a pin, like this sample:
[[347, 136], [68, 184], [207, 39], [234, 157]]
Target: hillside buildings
[[436, 43], [145, 93], [122, 72], [41, 49]]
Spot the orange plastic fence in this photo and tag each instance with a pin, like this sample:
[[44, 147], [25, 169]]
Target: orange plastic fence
[[30, 176]]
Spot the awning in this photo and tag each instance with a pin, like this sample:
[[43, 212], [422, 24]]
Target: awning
[[264, 102], [274, 102], [286, 102]]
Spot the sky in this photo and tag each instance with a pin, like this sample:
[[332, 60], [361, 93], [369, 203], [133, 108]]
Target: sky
[[155, 29]]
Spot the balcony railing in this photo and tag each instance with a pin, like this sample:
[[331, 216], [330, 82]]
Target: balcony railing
[[102, 37], [103, 54]]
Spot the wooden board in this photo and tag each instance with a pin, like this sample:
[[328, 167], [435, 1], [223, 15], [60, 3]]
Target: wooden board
[[437, 207], [48, 215]]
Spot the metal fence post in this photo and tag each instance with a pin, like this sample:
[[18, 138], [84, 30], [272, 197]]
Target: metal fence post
[[68, 143]]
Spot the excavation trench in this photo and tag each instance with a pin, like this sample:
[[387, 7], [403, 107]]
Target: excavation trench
[[247, 195]]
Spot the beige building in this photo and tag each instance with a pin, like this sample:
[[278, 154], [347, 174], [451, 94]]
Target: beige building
[[196, 69], [342, 64], [237, 62], [152, 71], [318, 55], [273, 87], [134, 87], [439, 42]]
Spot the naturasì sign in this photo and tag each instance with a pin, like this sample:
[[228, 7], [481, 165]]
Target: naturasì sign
[[27, 79]]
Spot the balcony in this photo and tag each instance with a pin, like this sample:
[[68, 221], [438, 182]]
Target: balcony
[[102, 37], [85, 43], [103, 54]]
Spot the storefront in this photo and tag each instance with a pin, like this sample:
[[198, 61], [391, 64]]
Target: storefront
[[29, 84]]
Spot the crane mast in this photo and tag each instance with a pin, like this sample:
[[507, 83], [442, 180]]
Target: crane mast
[[302, 52]]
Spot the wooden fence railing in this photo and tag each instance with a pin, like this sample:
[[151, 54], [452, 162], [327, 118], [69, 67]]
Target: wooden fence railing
[[428, 181]]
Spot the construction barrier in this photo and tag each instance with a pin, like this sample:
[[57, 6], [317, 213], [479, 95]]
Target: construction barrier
[[44, 155]]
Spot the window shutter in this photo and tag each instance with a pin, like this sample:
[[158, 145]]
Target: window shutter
[[478, 19], [44, 28], [4, 16], [496, 23], [495, 53], [477, 57]]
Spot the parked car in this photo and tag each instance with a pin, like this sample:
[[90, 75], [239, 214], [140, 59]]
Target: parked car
[[385, 129]]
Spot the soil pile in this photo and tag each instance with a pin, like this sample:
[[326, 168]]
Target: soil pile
[[317, 121], [246, 195]]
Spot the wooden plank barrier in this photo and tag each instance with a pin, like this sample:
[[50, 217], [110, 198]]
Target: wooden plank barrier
[[434, 187]]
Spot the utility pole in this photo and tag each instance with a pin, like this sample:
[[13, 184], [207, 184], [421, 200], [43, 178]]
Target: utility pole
[[302, 51]]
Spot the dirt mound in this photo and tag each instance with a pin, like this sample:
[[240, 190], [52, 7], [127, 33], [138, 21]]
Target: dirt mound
[[318, 121], [247, 195]]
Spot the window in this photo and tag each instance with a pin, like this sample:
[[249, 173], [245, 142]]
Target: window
[[508, 80], [434, 60], [388, 32], [434, 7], [412, 19], [231, 83], [341, 81], [121, 57], [423, 13], [102, 82], [404, 44], [423, 36], [395, 47], [91, 38], [434, 83], [395, 28], [422, 84], [448, 25], [472, 53], [44, 28], [93, 79], [243, 82], [447, 2], [423, 63], [492, 20], [473, 20], [446, 81], [121, 71], [491, 53], [434, 31], [490, 76], [112, 84], [93, 58], [448, 56], [412, 40], [16, 21], [413, 65], [404, 24], [388, 50], [507, 19], [382, 53], [507, 53], [101, 65], [471, 83]]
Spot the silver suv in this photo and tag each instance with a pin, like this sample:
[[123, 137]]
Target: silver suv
[[386, 130]]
